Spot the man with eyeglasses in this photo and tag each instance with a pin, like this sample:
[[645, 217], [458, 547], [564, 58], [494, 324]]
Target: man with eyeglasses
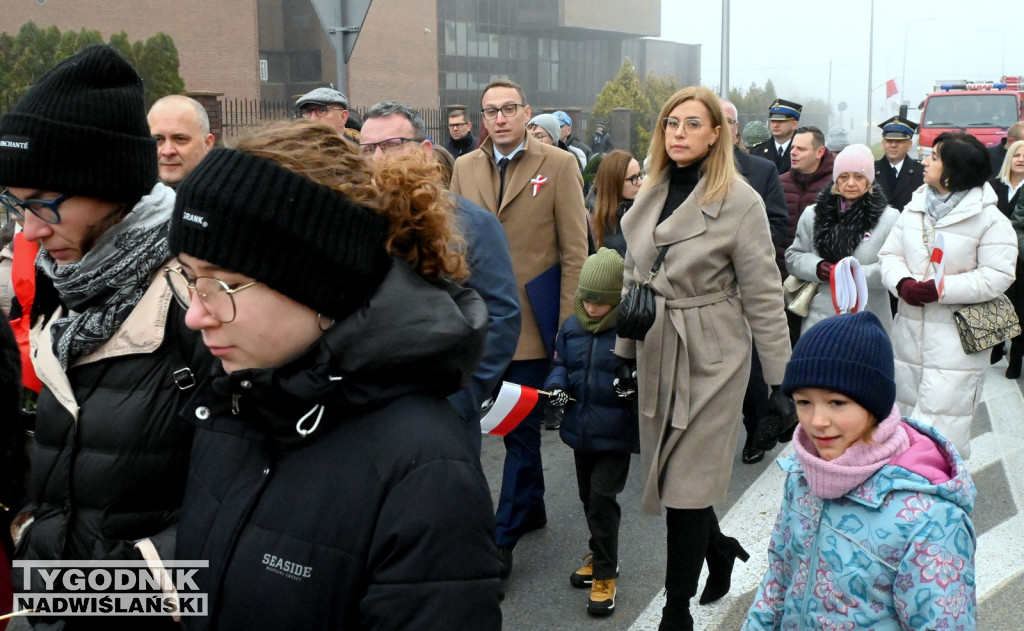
[[325, 105], [536, 191], [490, 265], [460, 131], [109, 454], [764, 179]]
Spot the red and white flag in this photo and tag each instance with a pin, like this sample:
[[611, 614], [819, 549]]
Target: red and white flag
[[938, 260], [890, 88], [510, 407]]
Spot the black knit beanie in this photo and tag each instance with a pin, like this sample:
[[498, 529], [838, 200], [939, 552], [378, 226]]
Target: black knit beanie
[[850, 354], [82, 130], [306, 241]]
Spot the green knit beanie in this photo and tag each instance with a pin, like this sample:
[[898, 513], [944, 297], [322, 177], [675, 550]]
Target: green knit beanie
[[601, 278]]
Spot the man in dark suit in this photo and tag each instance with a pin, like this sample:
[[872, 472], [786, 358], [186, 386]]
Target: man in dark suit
[[897, 174], [783, 119], [764, 179], [997, 154]]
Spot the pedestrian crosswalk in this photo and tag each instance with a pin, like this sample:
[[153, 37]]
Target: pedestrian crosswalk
[[997, 465]]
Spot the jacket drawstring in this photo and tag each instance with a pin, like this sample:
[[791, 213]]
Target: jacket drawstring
[[319, 410]]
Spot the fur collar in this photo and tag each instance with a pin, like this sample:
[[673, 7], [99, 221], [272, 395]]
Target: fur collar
[[838, 233]]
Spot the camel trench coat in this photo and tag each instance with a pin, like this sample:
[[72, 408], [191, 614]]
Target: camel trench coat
[[718, 285]]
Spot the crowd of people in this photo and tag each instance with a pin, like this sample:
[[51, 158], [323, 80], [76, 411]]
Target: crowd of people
[[197, 336]]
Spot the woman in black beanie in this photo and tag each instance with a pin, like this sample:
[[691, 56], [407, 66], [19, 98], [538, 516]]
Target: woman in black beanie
[[332, 486], [109, 456]]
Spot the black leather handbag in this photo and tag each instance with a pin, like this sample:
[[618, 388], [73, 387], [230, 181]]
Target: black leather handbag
[[636, 312]]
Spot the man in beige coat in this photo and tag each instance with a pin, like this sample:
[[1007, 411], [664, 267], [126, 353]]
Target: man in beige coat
[[536, 191]]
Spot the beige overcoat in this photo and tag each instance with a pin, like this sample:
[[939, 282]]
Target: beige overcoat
[[544, 219], [718, 283]]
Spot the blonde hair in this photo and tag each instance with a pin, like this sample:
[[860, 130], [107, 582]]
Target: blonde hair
[[718, 170], [1004, 171], [405, 189]]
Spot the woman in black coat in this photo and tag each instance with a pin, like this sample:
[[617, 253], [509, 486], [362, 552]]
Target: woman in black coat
[[1007, 186], [331, 485]]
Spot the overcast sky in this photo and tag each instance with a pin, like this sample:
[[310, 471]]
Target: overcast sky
[[793, 44]]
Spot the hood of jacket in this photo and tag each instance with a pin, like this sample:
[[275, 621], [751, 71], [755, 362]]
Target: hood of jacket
[[412, 336], [973, 203], [959, 489]]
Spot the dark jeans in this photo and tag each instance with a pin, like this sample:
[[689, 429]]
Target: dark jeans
[[600, 477], [522, 482]]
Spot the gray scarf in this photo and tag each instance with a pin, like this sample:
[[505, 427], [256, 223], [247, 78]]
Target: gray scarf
[[938, 207], [102, 289]]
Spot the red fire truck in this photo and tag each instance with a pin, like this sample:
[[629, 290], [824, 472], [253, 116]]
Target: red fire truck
[[983, 109]]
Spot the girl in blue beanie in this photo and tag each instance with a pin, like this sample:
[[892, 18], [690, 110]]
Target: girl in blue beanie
[[875, 529]]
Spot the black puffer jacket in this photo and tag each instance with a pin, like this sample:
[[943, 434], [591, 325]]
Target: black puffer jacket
[[110, 455], [379, 517]]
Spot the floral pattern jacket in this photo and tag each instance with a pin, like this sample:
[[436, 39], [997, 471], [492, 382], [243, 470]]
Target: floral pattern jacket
[[896, 552]]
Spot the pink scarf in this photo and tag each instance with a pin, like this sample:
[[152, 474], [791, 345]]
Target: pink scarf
[[830, 479]]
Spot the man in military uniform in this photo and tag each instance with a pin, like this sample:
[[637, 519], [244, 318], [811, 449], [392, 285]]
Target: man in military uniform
[[898, 174], [783, 119]]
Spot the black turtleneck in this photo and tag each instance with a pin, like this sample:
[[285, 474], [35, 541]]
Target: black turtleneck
[[682, 181]]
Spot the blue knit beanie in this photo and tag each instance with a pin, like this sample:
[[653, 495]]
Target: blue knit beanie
[[850, 354]]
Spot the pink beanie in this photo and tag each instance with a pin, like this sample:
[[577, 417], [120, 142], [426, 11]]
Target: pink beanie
[[855, 159]]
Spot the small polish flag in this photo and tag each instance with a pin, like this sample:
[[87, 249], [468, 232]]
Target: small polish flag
[[510, 407], [939, 261], [890, 88]]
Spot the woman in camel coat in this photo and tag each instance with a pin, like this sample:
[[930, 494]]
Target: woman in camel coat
[[718, 285]]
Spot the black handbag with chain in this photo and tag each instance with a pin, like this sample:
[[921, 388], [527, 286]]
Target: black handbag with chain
[[637, 311]]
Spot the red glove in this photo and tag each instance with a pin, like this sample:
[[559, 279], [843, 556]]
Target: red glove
[[824, 270], [917, 293]]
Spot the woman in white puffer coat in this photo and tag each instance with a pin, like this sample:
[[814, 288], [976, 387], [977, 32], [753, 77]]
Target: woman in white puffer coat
[[938, 383]]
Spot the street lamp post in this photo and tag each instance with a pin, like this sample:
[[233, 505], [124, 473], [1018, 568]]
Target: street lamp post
[[903, 76]]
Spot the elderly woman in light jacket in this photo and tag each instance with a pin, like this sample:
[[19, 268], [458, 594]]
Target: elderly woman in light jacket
[[718, 287], [850, 218], [937, 383]]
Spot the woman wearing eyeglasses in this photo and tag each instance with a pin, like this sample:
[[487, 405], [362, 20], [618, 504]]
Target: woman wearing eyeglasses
[[717, 286], [616, 184], [332, 486], [109, 455]]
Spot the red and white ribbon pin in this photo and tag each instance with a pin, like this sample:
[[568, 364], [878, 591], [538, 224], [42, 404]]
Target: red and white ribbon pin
[[537, 182]]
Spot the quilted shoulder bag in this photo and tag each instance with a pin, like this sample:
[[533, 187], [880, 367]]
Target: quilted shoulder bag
[[983, 325], [636, 312]]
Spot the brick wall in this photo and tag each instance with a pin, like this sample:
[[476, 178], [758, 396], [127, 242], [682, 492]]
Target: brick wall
[[395, 56], [216, 39]]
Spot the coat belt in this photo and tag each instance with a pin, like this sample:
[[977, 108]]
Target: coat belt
[[672, 376]]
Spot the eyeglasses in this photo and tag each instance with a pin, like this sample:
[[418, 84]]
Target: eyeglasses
[[636, 179], [456, 125], [320, 110], [217, 297], [508, 111], [386, 145], [691, 125], [42, 208]]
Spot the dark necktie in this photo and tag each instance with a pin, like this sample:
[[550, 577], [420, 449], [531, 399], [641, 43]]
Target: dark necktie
[[780, 151], [502, 166], [895, 174]]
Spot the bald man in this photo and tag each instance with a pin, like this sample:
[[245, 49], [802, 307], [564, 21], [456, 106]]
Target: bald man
[[181, 128]]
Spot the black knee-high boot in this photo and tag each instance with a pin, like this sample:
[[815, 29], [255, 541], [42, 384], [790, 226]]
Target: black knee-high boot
[[1016, 356], [721, 556], [688, 535]]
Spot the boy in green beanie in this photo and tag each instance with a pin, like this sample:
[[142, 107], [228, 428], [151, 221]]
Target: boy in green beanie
[[599, 425]]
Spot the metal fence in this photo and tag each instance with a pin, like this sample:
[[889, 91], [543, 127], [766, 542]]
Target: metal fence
[[240, 115]]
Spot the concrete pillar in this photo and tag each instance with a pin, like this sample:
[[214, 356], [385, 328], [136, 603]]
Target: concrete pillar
[[211, 103]]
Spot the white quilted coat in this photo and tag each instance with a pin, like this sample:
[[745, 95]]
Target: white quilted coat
[[936, 382]]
